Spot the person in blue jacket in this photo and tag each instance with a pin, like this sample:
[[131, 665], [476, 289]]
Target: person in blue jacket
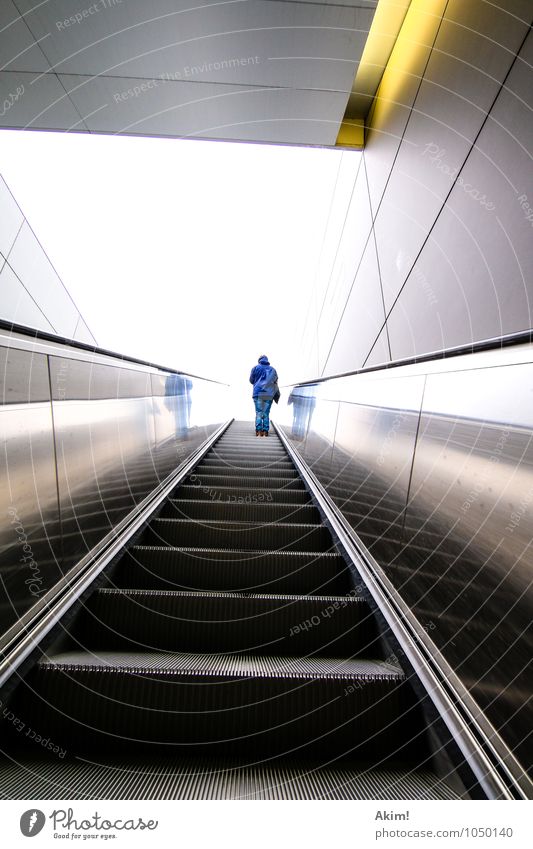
[[264, 379]]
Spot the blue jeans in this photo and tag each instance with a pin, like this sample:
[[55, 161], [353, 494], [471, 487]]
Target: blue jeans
[[262, 409]]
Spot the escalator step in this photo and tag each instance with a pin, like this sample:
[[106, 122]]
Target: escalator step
[[208, 534], [282, 705], [163, 620], [181, 508], [227, 456], [257, 481], [202, 778], [161, 567], [254, 450], [242, 495], [246, 434], [253, 463], [259, 471]]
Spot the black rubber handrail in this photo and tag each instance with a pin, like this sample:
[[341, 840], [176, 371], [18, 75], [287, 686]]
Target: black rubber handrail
[[493, 344], [94, 349]]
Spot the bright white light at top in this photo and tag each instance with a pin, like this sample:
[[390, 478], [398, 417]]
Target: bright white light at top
[[198, 255]]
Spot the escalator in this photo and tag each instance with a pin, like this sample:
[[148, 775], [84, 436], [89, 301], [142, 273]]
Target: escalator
[[230, 652]]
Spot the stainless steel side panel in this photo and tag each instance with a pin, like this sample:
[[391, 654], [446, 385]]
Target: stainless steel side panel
[[104, 431], [469, 530], [104, 466], [86, 439], [373, 451], [359, 441], [30, 544], [311, 419], [435, 473]]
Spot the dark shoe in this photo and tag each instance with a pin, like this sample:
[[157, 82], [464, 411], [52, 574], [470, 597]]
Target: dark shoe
[[258, 433], [261, 433], [265, 433]]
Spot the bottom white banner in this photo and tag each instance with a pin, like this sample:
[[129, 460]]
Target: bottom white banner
[[260, 824]]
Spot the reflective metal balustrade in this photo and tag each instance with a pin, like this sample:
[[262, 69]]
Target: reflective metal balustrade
[[224, 578], [86, 438], [227, 652], [432, 466]]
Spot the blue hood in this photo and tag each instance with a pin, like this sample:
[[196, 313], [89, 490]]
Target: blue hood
[[264, 379]]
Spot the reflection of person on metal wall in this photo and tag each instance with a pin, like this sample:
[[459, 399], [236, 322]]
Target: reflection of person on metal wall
[[264, 378], [178, 400], [303, 403]]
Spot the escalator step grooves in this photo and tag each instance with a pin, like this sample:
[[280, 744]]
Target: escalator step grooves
[[278, 463], [259, 481], [242, 495], [266, 451], [339, 601], [243, 666], [265, 537], [201, 778], [213, 509], [281, 473], [161, 567]]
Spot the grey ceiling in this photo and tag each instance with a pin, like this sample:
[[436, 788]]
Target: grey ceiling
[[251, 70]]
